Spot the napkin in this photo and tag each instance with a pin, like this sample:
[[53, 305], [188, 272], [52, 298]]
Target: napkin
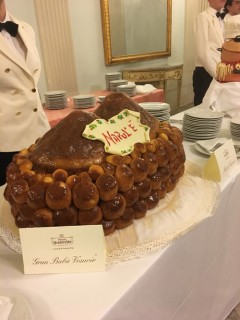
[[5, 307], [146, 88], [223, 97], [212, 144]]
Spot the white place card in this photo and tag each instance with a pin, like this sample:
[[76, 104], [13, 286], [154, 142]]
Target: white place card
[[63, 249], [220, 162]]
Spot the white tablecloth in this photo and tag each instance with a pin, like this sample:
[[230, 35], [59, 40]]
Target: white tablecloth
[[196, 277]]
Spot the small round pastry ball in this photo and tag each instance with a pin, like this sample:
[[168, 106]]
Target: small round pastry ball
[[60, 175], [151, 145], [23, 223], [12, 173], [108, 168], [108, 226], [165, 172], [174, 167], [34, 179], [140, 209], [127, 159], [162, 156], [85, 195], [152, 161], [140, 169], [107, 186], [47, 180], [58, 195], [144, 188], [172, 151], [66, 217], [84, 177], [114, 208], [126, 219], [19, 190], [131, 196], [125, 177], [72, 180], [114, 159], [95, 171], [25, 165], [153, 199], [36, 196], [156, 180], [181, 154], [14, 206], [43, 217], [162, 191], [27, 174], [7, 192], [26, 212], [89, 217], [172, 182], [140, 147]]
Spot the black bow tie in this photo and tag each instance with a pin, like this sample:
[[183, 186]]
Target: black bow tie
[[10, 27], [220, 14]]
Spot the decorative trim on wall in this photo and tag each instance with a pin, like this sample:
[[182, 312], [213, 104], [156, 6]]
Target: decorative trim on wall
[[56, 45]]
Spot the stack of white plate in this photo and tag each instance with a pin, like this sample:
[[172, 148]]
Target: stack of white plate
[[201, 124], [112, 76], [115, 83], [159, 110], [56, 99], [235, 128], [129, 89], [84, 101]]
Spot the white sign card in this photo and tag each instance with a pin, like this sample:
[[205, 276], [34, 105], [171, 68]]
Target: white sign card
[[63, 249], [220, 162]]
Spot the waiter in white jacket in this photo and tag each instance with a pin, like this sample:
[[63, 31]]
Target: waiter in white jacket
[[209, 37], [22, 118]]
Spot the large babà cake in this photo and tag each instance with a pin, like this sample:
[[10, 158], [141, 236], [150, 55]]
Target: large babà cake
[[66, 179]]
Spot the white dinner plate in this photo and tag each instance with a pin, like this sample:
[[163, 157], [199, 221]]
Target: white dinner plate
[[204, 114]]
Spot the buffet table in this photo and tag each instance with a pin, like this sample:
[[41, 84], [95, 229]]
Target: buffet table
[[195, 277], [54, 116]]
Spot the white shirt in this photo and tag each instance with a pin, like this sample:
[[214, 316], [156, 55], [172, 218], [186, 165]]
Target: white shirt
[[15, 42]]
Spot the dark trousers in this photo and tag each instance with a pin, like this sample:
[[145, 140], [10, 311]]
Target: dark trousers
[[201, 82], [5, 160]]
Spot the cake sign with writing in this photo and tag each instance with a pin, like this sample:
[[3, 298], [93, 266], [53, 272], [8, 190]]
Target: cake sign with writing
[[119, 133], [63, 249]]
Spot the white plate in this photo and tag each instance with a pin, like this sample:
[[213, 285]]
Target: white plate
[[55, 93], [21, 309], [204, 114]]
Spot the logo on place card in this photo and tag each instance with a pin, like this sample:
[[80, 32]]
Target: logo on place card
[[62, 241]]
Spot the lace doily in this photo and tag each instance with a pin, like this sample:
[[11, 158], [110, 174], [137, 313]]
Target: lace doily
[[191, 202]]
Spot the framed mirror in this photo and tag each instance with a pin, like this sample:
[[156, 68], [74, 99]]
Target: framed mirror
[[135, 30]]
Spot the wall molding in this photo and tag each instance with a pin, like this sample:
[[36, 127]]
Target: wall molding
[[56, 45]]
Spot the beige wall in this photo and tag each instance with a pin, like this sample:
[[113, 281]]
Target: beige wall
[[88, 52]]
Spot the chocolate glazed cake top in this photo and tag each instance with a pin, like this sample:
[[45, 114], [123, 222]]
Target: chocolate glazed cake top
[[64, 147]]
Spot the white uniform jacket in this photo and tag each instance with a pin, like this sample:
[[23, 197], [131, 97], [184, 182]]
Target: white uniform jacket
[[208, 34], [22, 118]]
